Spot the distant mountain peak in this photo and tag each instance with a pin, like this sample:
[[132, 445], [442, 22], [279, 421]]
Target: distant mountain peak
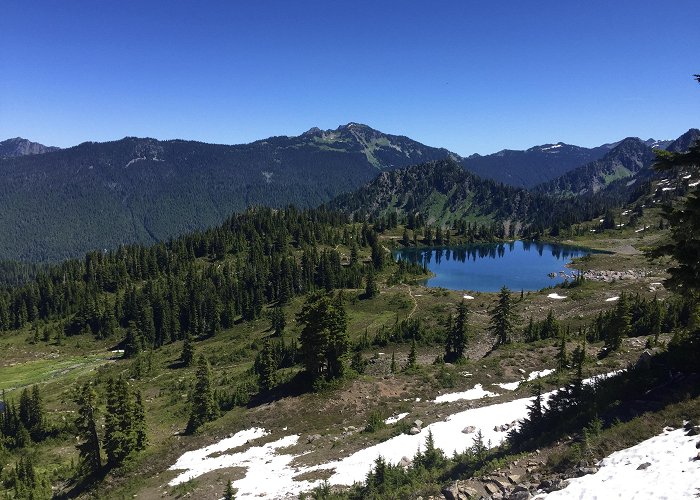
[[18, 146]]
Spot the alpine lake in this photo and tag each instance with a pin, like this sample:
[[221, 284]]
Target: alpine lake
[[518, 265]]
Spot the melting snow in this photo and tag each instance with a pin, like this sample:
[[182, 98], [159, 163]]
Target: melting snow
[[693, 184], [612, 299], [541, 373], [687, 176], [477, 392], [556, 296], [468, 297], [269, 474], [394, 419], [510, 386], [670, 472], [641, 229]]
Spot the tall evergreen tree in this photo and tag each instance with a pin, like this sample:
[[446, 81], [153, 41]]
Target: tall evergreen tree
[[457, 334], [187, 355], [412, 356], [324, 338], [119, 438], [266, 368], [203, 406], [139, 422], [502, 318], [620, 327], [278, 320], [86, 424]]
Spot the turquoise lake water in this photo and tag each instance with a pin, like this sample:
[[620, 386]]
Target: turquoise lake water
[[519, 265]]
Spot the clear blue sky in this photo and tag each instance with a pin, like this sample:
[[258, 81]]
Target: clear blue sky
[[470, 76]]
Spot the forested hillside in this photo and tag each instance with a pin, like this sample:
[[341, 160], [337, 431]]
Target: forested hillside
[[100, 195], [532, 166], [444, 193]]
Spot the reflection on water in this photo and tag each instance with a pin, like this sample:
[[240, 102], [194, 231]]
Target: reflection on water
[[519, 265]]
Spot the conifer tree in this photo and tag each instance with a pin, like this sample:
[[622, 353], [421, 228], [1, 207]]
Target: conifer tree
[[324, 338], [203, 405], [278, 320], [562, 358], [119, 436], [266, 368], [187, 355], [229, 492], [133, 341], [501, 324], [457, 333], [139, 423], [86, 423], [412, 356], [371, 288], [620, 327]]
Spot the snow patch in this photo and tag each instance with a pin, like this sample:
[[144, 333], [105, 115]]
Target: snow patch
[[669, 472], [198, 462], [477, 392], [612, 299], [396, 418], [509, 386], [693, 184], [539, 374], [555, 296], [468, 297]]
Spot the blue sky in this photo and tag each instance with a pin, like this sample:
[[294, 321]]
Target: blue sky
[[469, 76]]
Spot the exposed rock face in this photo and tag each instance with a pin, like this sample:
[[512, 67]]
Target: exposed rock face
[[12, 148]]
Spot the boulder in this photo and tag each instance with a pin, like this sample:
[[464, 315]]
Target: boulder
[[418, 423], [467, 491], [584, 471], [414, 431], [520, 495], [643, 466], [313, 437], [469, 429], [451, 492], [405, 462], [514, 478], [644, 360], [491, 488]]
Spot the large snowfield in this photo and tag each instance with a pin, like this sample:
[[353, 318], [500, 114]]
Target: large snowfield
[[662, 467], [269, 472]]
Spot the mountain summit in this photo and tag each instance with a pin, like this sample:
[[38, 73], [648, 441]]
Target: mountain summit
[[18, 146]]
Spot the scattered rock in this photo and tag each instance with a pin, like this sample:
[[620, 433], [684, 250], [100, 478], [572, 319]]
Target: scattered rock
[[468, 491], [491, 488], [313, 437], [643, 466], [584, 471], [514, 478], [451, 492], [550, 485], [520, 495]]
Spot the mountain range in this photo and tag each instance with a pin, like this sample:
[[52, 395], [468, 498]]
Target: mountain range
[[60, 203]]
